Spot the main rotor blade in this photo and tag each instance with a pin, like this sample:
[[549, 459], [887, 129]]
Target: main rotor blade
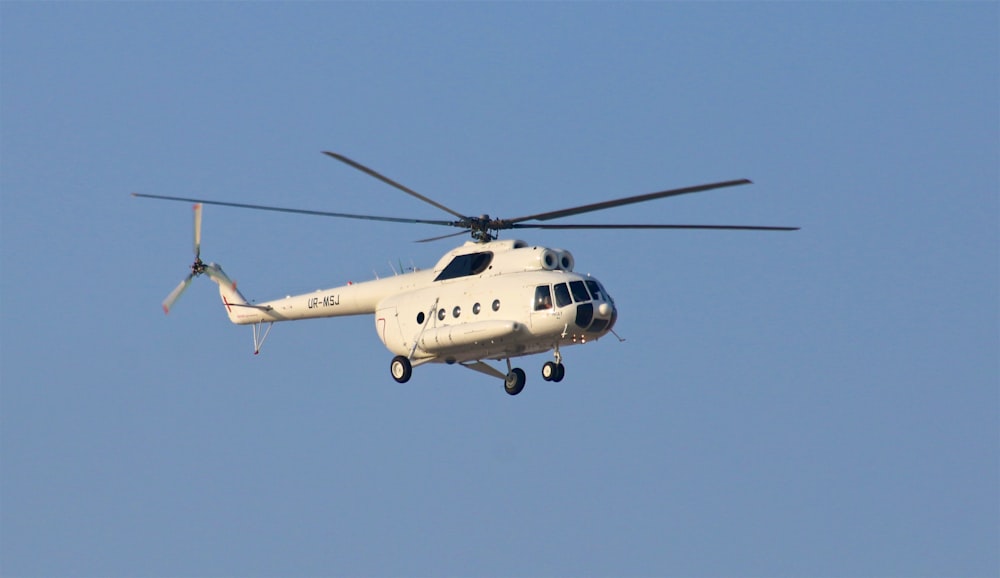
[[197, 230], [449, 235], [640, 226], [627, 201], [390, 182], [300, 211]]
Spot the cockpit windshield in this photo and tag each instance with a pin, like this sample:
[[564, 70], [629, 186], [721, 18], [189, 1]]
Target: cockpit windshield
[[579, 290], [597, 291], [568, 293]]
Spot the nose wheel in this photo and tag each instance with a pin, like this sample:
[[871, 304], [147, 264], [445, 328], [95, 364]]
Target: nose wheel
[[553, 371]]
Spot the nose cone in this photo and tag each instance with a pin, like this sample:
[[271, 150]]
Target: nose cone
[[602, 317]]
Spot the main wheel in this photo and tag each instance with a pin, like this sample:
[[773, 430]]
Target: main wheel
[[515, 381], [550, 371], [401, 369], [560, 373]]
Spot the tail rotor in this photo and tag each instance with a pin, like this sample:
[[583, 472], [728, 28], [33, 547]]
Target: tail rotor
[[197, 268]]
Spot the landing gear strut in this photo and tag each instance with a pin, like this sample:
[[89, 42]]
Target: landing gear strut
[[401, 369]]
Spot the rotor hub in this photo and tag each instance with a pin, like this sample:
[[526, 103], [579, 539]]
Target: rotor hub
[[482, 228]]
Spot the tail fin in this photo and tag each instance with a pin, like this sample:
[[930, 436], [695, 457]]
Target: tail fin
[[239, 310]]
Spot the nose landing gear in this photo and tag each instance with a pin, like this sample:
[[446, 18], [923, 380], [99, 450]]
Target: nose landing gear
[[553, 371]]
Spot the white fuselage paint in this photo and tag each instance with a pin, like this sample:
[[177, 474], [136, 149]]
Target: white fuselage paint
[[474, 315]]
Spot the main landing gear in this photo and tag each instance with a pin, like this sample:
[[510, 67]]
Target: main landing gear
[[401, 369], [514, 382]]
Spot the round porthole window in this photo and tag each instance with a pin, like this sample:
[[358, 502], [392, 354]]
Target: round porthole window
[[475, 309], [496, 305], [440, 314], [420, 318], [456, 311]]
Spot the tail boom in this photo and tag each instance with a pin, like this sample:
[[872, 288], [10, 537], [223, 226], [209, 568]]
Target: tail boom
[[351, 299]]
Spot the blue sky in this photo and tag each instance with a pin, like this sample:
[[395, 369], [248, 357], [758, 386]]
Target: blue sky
[[820, 403]]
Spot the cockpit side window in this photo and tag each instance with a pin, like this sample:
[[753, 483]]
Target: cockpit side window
[[562, 295], [579, 290], [466, 265], [543, 298]]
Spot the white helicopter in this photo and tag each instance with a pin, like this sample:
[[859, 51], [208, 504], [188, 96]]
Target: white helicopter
[[488, 299]]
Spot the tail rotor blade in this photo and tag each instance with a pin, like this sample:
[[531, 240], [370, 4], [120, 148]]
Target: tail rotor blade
[[197, 231], [176, 293]]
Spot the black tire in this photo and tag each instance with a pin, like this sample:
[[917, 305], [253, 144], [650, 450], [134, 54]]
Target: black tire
[[401, 369], [560, 373], [515, 381], [550, 371]]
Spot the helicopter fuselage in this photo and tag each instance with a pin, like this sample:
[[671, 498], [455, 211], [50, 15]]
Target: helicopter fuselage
[[494, 300]]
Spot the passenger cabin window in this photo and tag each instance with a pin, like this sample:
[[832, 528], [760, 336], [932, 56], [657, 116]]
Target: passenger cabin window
[[562, 295], [579, 290], [466, 265], [543, 298]]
